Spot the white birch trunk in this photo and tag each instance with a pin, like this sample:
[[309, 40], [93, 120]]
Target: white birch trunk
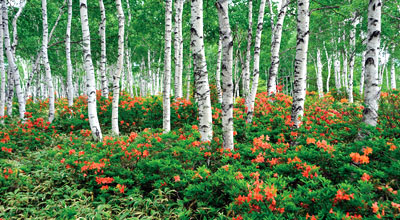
[[246, 72], [329, 62], [12, 67], [392, 75], [352, 57], [345, 68], [90, 82], [226, 71], [14, 25], [178, 51], [103, 56], [167, 68], [372, 90], [202, 93], [275, 48], [319, 74], [70, 86], [256, 69], [362, 79], [120, 66], [2, 71], [218, 73], [189, 73], [36, 66], [336, 67], [300, 66], [49, 80]]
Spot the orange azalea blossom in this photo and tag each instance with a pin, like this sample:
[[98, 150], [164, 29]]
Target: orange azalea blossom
[[365, 177], [360, 159], [367, 151], [392, 146], [375, 207], [177, 178], [310, 140], [226, 167], [121, 188], [341, 196], [239, 176], [104, 180]]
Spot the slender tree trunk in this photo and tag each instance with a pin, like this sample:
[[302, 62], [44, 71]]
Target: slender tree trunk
[[329, 61], [300, 66], [246, 73], [392, 75], [362, 79], [226, 71], [275, 48], [36, 67], [13, 69], [167, 68], [188, 74], [70, 86], [336, 67], [120, 66], [218, 73], [90, 83], [319, 74], [103, 56], [2, 71], [256, 69], [49, 79], [177, 46], [345, 70], [202, 93], [372, 90], [14, 25], [352, 57]]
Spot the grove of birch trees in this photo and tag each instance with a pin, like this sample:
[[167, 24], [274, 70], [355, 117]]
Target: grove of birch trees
[[67, 48]]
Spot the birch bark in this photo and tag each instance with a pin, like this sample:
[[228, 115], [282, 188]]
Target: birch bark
[[256, 69], [90, 81], [167, 68], [372, 90], [300, 66], [202, 93]]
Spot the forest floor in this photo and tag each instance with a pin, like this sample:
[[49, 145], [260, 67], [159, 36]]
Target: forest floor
[[56, 171]]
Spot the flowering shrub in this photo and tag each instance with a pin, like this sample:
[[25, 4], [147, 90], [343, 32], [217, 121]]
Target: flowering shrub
[[320, 171]]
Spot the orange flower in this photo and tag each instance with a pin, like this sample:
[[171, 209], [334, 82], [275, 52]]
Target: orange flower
[[375, 207], [367, 151], [310, 140], [239, 176], [365, 177], [177, 178]]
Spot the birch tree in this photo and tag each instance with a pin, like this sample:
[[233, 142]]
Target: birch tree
[[319, 74], [372, 90], [256, 69], [167, 67], [70, 86], [392, 73], [362, 78], [246, 72], [49, 79], [218, 72], [178, 49], [103, 56], [14, 25], [12, 67], [202, 93], [226, 71], [275, 48], [352, 57], [329, 64], [2, 70], [90, 79], [120, 65], [300, 65]]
